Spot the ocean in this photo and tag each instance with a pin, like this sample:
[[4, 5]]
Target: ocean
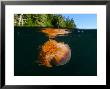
[[83, 45]]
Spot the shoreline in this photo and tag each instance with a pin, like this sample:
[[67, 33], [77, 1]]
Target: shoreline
[[54, 28], [44, 27]]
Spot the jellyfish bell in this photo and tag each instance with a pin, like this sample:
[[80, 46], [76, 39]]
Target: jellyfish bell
[[65, 57], [54, 53]]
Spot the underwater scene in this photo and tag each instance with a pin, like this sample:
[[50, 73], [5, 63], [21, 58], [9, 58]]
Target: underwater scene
[[55, 45]]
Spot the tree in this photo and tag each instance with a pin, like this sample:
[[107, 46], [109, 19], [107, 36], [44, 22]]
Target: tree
[[45, 20], [70, 23]]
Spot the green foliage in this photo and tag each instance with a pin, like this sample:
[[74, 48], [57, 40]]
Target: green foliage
[[70, 23], [44, 20]]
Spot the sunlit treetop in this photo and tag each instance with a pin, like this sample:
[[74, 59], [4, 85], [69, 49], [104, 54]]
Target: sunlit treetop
[[44, 20]]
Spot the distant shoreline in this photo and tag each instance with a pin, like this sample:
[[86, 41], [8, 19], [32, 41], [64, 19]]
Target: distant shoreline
[[52, 28], [42, 27]]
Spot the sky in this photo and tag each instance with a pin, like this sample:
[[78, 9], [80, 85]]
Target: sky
[[84, 21]]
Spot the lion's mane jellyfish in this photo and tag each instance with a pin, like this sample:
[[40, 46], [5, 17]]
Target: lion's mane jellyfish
[[53, 53]]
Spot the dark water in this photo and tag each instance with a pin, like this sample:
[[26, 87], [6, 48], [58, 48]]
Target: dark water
[[83, 60]]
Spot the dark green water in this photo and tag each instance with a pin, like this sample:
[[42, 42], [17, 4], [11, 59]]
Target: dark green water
[[83, 60]]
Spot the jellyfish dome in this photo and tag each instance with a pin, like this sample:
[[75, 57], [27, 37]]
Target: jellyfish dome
[[54, 53]]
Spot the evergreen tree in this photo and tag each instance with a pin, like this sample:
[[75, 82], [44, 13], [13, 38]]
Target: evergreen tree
[[45, 20]]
